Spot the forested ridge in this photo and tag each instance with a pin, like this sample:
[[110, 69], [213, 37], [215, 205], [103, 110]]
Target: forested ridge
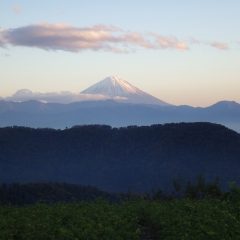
[[120, 159]]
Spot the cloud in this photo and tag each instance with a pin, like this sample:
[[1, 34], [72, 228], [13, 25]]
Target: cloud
[[170, 43], [137, 39], [100, 37], [53, 97], [215, 44], [17, 9], [2, 38], [220, 45], [59, 37]]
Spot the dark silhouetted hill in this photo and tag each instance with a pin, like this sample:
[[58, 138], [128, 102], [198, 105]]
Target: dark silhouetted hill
[[120, 159], [19, 194]]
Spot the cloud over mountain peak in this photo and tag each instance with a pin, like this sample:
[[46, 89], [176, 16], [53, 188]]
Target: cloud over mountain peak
[[111, 87]]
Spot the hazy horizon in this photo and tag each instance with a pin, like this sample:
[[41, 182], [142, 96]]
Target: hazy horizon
[[181, 53]]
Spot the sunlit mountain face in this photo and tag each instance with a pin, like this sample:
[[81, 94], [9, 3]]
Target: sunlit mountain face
[[120, 90], [110, 88]]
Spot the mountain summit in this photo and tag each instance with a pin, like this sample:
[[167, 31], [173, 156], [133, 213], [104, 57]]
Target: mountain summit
[[110, 88], [120, 90]]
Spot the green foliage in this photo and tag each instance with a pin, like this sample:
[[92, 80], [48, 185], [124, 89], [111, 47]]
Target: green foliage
[[94, 221], [211, 219], [188, 219], [202, 189]]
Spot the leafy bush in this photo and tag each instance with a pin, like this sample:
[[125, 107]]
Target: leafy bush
[[212, 219]]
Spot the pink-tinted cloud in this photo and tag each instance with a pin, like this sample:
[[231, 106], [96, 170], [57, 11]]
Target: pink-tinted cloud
[[100, 37], [220, 45], [59, 37], [170, 43], [215, 44], [138, 39]]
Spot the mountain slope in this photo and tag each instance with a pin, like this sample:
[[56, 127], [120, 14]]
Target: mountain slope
[[111, 88], [120, 159], [121, 90]]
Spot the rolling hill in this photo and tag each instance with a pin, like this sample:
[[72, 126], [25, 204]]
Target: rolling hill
[[120, 159]]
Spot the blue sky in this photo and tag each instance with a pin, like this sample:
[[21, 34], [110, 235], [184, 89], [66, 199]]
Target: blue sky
[[184, 52]]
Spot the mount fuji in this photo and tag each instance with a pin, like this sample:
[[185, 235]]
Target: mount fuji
[[110, 88], [120, 90]]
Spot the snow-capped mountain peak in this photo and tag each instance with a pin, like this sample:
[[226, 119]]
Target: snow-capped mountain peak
[[121, 90], [112, 86]]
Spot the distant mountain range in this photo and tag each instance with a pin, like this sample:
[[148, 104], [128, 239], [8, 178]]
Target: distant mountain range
[[134, 159], [56, 115], [111, 101]]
